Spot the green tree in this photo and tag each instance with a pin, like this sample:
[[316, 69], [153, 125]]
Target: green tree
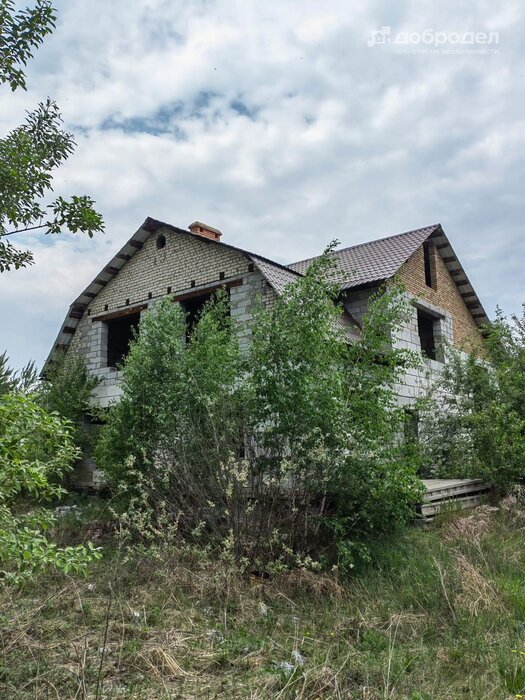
[[24, 380], [31, 152], [67, 390], [473, 422], [36, 449], [325, 412], [172, 444]]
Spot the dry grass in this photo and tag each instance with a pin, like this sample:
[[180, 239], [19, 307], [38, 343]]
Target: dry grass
[[476, 592], [471, 527], [437, 617]]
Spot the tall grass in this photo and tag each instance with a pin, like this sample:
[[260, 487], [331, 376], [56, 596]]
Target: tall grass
[[438, 615]]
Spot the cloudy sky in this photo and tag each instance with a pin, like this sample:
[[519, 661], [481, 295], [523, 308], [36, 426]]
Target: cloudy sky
[[284, 123]]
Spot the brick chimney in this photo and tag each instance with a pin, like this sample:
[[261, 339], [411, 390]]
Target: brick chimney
[[200, 229]]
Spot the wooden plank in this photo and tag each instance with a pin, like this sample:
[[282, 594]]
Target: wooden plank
[[207, 290], [121, 312], [456, 504]]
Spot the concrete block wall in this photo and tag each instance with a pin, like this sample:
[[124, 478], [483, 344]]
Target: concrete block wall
[[356, 303], [415, 382], [184, 265], [183, 260]]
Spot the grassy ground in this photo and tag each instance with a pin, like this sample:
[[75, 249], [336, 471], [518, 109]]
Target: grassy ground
[[439, 615]]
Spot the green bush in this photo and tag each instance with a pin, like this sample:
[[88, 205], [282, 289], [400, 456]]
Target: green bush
[[325, 411], [174, 440], [276, 453], [67, 390], [36, 448], [474, 422]]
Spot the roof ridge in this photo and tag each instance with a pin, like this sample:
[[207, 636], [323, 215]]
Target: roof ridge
[[375, 240], [150, 221]]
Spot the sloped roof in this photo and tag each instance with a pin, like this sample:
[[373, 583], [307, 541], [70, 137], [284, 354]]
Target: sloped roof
[[376, 260], [358, 265], [277, 275]]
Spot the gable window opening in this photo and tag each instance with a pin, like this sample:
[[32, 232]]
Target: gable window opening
[[429, 273], [428, 331], [121, 332], [194, 306]]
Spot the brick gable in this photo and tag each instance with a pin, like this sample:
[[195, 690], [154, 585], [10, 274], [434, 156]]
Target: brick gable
[[446, 295]]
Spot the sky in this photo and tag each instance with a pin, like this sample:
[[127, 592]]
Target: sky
[[285, 124]]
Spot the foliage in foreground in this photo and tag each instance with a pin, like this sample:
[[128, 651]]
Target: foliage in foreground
[[36, 449], [480, 430], [67, 390], [438, 616], [10, 380], [31, 152], [278, 453]]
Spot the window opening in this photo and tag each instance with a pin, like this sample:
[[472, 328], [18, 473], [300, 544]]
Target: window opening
[[121, 331], [426, 330], [193, 308], [429, 277]]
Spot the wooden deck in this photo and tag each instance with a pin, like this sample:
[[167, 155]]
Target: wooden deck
[[444, 494]]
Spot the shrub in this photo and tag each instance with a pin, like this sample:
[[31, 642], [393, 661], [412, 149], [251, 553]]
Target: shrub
[[67, 390], [325, 413], [36, 449], [275, 453], [476, 425], [175, 438]]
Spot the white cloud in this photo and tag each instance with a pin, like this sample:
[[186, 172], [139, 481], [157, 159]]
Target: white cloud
[[275, 122]]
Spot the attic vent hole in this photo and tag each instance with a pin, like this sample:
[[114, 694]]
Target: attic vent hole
[[161, 241]]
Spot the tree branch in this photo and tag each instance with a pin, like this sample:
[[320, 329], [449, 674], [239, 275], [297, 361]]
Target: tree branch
[[21, 230]]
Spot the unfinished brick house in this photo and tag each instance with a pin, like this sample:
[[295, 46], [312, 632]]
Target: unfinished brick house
[[162, 260]]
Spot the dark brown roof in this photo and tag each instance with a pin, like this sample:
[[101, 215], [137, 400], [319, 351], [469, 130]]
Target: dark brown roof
[[376, 260], [358, 265], [371, 263], [278, 277]]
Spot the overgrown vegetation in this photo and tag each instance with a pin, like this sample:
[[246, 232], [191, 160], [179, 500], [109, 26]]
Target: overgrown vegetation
[[437, 616], [36, 449], [10, 380], [287, 453], [67, 390], [476, 423]]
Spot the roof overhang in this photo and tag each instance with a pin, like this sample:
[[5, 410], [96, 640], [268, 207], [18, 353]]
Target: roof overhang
[[275, 274], [458, 274]]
